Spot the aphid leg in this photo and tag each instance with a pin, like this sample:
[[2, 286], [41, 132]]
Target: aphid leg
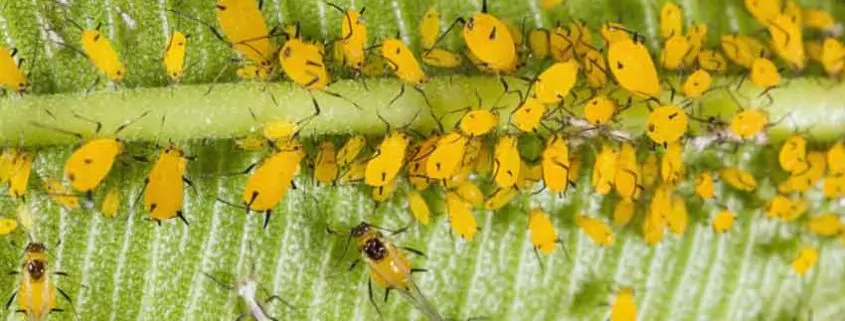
[[353, 265], [372, 300], [191, 184], [218, 282], [11, 299], [336, 95], [401, 92], [278, 298], [182, 217], [539, 260], [418, 270], [386, 294], [67, 297]]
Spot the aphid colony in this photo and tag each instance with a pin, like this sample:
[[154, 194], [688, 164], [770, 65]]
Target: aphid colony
[[648, 174]]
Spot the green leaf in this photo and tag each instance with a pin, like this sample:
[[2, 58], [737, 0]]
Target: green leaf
[[127, 268]]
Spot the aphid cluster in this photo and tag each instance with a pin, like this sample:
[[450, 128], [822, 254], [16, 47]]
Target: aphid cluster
[[647, 174]]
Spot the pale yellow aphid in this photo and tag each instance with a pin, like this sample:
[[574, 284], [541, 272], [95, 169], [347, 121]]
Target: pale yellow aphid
[[672, 168], [600, 110], [543, 234], [623, 212], [60, 194], [460, 216], [596, 229], [704, 185], [388, 159], [446, 157], [441, 58], [470, 193], [604, 170], [697, 84], [723, 221], [418, 206], [832, 56], [500, 198], [111, 203], [554, 83], [7, 226], [826, 224], [834, 186], [805, 260], [429, 28], [667, 124], [749, 123], [632, 66], [660, 206], [555, 164], [738, 179], [678, 218]]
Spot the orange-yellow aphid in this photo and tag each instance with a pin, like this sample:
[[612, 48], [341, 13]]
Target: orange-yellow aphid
[[59, 194], [543, 234], [595, 69], [763, 10], [723, 221], [102, 55], [383, 193], [528, 115], [554, 83], [555, 164], [478, 122], [164, 186], [243, 24], [678, 218], [271, 179], [387, 160], [624, 308], [600, 110], [749, 123], [712, 61], [653, 231], [470, 193], [764, 73], [604, 169], [19, 178], [418, 206], [667, 124], [832, 56], [672, 169], [353, 39], [325, 167], [11, 76], [805, 260], [818, 19], [460, 216], [836, 158], [671, 20], [441, 58], [704, 185], [787, 41], [623, 212], [633, 68], [804, 180], [506, 162], [447, 155], [697, 84], [793, 154], [596, 229], [429, 28], [834, 186], [174, 56], [500, 198], [401, 60], [627, 178], [350, 150], [489, 40], [738, 179], [696, 35], [111, 203], [827, 224], [354, 173], [675, 50], [7, 226], [650, 170], [538, 42]]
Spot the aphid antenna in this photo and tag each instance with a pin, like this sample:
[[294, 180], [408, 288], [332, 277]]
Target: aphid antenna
[[130, 122], [58, 130], [218, 282], [231, 204]]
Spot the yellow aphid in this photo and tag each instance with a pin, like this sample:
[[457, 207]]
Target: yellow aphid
[[675, 49], [325, 166], [712, 61], [11, 77], [738, 179], [660, 206], [555, 164], [252, 72], [836, 158], [279, 131], [600, 110], [834, 186], [418, 157], [7, 163], [574, 167], [164, 191], [174, 55], [704, 185], [387, 160], [671, 20], [470, 193], [243, 24], [749, 123], [596, 229], [805, 180], [500, 198], [672, 168], [697, 84], [401, 60], [111, 203], [59, 194], [633, 68], [418, 206], [595, 69], [354, 173], [90, 163], [793, 154], [460, 216], [652, 231], [441, 58], [543, 234], [19, 178], [763, 10], [102, 55], [429, 28], [383, 193], [538, 42], [271, 179], [764, 73], [7, 226], [484, 161], [37, 292], [627, 178], [554, 83], [818, 19], [447, 155], [814, 50], [650, 170], [604, 169], [797, 209], [350, 150], [302, 62], [489, 40], [787, 41], [528, 115], [827, 224], [506, 162], [678, 218], [478, 122], [624, 308], [667, 124], [805, 260], [623, 212], [832, 56], [723, 221]]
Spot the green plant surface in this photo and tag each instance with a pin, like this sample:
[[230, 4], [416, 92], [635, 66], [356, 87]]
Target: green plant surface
[[128, 268]]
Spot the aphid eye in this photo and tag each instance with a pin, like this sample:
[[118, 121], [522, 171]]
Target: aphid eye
[[287, 52]]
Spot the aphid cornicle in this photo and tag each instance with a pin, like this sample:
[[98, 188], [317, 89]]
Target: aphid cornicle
[[174, 55], [11, 77], [271, 179], [164, 186]]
